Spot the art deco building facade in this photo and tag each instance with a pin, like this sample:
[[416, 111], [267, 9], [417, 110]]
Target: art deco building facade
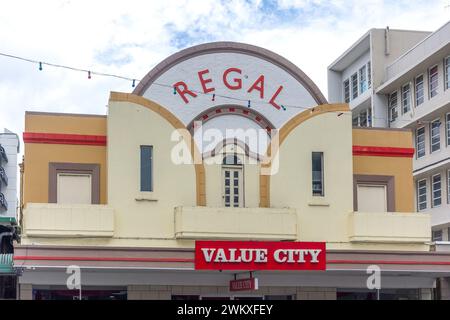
[[127, 195]]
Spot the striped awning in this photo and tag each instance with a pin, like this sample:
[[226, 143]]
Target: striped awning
[[6, 263]]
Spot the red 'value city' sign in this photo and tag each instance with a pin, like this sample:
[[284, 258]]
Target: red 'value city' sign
[[259, 255]]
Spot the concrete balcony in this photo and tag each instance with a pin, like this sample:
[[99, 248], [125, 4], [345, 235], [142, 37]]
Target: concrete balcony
[[235, 223], [389, 227], [58, 220]]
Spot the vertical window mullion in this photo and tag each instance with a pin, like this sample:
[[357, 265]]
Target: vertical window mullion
[[146, 168]]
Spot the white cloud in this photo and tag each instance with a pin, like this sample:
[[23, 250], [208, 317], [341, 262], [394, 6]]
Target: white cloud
[[130, 37]]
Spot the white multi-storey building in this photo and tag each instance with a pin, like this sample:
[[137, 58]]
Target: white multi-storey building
[[401, 79]]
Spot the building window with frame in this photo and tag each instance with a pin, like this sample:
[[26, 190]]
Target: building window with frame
[[232, 173], [448, 188], [146, 168], [393, 113], [447, 73], [436, 190], [447, 128], [354, 79], [355, 121], [362, 79], [317, 174], [419, 88], [347, 91], [421, 194], [437, 235], [435, 135], [433, 81], [369, 75], [406, 98], [420, 142]]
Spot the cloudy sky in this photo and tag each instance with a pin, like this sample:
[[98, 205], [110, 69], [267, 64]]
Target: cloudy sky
[[130, 37]]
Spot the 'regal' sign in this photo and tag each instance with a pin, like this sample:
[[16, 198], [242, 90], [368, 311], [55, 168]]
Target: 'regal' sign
[[259, 255]]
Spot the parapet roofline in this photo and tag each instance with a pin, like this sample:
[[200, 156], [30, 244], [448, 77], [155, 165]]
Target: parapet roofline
[[359, 43], [365, 37], [41, 113]]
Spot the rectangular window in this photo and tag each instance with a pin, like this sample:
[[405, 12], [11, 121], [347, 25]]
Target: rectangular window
[[448, 189], [419, 90], [447, 128], [433, 81], [447, 72], [406, 98], [362, 79], [437, 235], [436, 190], [347, 91], [421, 195], [393, 113], [232, 177], [369, 74], [369, 117], [435, 135], [146, 168], [420, 142], [355, 121], [317, 174], [354, 86]]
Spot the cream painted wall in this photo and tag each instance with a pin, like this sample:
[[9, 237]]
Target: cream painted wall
[[319, 218], [214, 183], [130, 126]]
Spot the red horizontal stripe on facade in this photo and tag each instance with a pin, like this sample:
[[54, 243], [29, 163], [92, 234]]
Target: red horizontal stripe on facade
[[439, 263], [383, 151], [191, 260], [126, 259], [64, 138]]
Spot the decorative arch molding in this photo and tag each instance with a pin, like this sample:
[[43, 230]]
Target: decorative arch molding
[[225, 142], [283, 133], [177, 124], [232, 109], [235, 47]]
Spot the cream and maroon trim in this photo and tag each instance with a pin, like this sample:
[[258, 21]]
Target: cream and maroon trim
[[64, 138], [154, 258], [217, 47], [264, 180], [177, 124], [230, 109]]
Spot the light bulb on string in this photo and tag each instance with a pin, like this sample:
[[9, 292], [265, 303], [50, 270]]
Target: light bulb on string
[[283, 107], [40, 66], [134, 83], [213, 97], [248, 105], [174, 90], [89, 75]]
